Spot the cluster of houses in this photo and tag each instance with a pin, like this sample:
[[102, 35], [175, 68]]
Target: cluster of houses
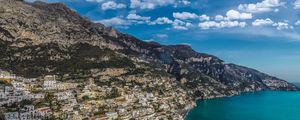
[[18, 90], [50, 83], [74, 100], [9, 95], [28, 112], [7, 75]]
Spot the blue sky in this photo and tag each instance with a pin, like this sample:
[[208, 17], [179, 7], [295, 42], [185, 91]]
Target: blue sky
[[261, 34]]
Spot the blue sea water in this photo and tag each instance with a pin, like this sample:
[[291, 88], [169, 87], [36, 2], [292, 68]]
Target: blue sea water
[[298, 84], [265, 105]]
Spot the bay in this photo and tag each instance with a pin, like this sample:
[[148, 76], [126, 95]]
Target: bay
[[264, 105]]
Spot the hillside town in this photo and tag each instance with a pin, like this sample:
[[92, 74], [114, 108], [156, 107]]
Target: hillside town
[[49, 97]]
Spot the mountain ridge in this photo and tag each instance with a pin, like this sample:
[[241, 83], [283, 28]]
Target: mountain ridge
[[110, 38]]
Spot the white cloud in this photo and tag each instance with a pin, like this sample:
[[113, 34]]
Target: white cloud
[[264, 6], [161, 20], [149, 40], [185, 2], [188, 24], [236, 15], [185, 15], [149, 4], [297, 22], [297, 4], [186, 44], [141, 5], [115, 21], [112, 5], [161, 36], [134, 16], [208, 24], [181, 3], [176, 24], [177, 27], [222, 24], [219, 18], [181, 25], [204, 18], [233, 15], [282, 25], [262, 22], [99, 1]]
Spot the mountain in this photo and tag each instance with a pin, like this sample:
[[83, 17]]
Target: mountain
[[39, 39]]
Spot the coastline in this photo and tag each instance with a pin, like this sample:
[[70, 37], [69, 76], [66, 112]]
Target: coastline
[[227, 96], [269, 101], [199, 98]]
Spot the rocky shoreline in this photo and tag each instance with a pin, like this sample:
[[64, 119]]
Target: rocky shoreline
[[214, 97]]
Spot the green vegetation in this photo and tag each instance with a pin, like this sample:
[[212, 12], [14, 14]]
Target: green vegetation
[[2, 116], [52, 58], [113, 94], [86, 97], [25, 102]]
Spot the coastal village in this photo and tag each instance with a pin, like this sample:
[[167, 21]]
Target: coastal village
[[49, 97]]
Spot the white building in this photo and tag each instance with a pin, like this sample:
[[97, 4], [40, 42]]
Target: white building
[[64, 95], [49, 85], [50, 77], [7, 75], [111, 115], [37, 96], [11, 116], [8, 89], [20, 86]]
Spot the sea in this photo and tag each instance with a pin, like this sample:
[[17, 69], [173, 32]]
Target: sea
[[264, 105]]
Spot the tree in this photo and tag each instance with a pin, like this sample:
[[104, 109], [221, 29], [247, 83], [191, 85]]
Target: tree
[[114, 93]]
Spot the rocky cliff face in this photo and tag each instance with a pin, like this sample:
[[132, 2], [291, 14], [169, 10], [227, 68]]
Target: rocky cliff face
[[38, 39]]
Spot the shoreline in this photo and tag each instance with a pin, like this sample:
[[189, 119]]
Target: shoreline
[[282, 93], [240, 93]]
